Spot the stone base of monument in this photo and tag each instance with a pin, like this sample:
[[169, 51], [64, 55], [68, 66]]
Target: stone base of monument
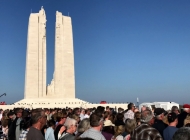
[[59, 103], [52, 103]]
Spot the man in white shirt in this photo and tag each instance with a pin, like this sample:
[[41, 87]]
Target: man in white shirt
[[130, 113], [87, 114]]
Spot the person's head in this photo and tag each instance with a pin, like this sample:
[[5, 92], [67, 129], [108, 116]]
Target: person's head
[[87, 111], [159, 113], [120, 110], [100, 111], [106, 115], [76, 111], [11, 115], [118, 130], [182, 133], [186, 108], [82, 111], [19, 112], [131, 106], [4, 122], [108, 108], [120, 116], [71, 125], [38, 118], [143, 108], [61, 117], [147, 116], [172, 118], [26, 123], [138, 117], [187, 120], [96, 121], [175, 109], [51, 123], [25, 113], [83, 125], [76, 117], [130, 125]]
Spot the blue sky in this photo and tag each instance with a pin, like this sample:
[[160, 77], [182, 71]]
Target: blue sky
[[123, 49]]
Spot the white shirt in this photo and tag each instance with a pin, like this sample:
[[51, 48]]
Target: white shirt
[[129, 115]]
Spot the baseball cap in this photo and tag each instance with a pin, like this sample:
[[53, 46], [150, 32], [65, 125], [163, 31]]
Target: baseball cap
[[158, 111]]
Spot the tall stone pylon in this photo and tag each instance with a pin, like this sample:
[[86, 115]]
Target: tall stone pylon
[[35, 75], [63, 83]]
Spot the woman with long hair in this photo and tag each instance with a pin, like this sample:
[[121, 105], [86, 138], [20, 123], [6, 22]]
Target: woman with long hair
[[118, 133]]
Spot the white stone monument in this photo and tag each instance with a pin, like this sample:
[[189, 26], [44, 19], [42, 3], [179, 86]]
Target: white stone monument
[[35, 76], [61, 91], [63, 83]]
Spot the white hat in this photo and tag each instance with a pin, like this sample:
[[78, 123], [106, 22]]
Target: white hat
[[108, 123]]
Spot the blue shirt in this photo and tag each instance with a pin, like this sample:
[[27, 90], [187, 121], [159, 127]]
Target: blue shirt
[[169, 132], [49, 135]]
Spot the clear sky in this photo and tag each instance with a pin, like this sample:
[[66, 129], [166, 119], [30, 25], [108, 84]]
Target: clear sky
[[123, 49]]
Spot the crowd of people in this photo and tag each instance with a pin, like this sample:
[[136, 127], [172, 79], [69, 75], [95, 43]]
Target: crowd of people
[[96, 123]]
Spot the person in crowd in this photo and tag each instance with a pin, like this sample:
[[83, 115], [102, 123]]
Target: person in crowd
[[138, 117], [83, 126], [165, 119], [182, 133], [106, 116], [100, 111], [175, 109], [130, 113], [112, 117], [144, 131], [71, 127], [96, 126], [25, 126], [130, 125], [49, 134], [1, 114], [118, 131], [143, 108], [47, 113], [158, 122], [183, 115], [87, 114], [61, 118], [39, 119], [11, 115], [82, 113], [14, 129], [187, 120], [171, 129], [120, 110], [76, 117], [107, 108], [108, 129], [5, 128], [119, 119], [76, 111]]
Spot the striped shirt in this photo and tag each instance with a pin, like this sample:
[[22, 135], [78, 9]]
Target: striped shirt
[[23, 135], [145, 132]]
